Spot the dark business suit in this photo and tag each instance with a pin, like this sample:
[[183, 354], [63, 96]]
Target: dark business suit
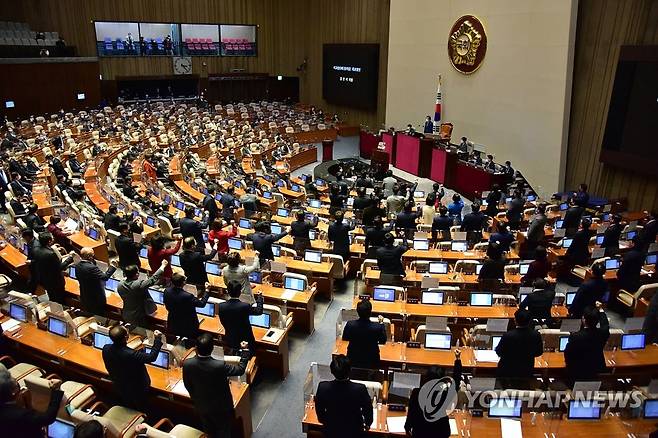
[[536, 269], [517, 350], [504, 240], [375, 239], [182, 319], [473, 223], [339, 234], [34, 222], [228, 204], [441, 224], [205, 379], [536, 230], [364, 337], [572, 220], [193, 263], [361, 203], [417, 426], [649, 233], [584, 352], [192, 228], [492, 269], [389, 259], [210, 205], [21, 422], [92, 286], [263, 244], [112, 221], [650, 326], [539, 303], [49, 271], [344, 408], [127, 371], [587, 295], [515, 212], [611, 239], [578, 252], [234, 316], [628, 273], [20, 188], [299, 230], [493, 198], [406, 220], [128, 251]]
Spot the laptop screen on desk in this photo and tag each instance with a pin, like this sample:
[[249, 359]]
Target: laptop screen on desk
[[313, 256], [523, 267], [61, 429], [276, 250], [175, 260], [651, 259], [315, 203], [72, 272], [599, 239], [150, 221], [421, 244], [180, 205], [570, 297], [112, 284], [438, 267], [156, 295], [93, 233], [566, 243], [505, 408], [564, 340], [632, 341], [432, 297], [207, 310], [18, 312], [100, 340], [57, 326], [282, 212], [584, 410], [495, 340], [244, 223], [293, 283], [275, 228], [651, 409], [213, 268], [458, 245], [481, 299], [559, 223], [162, 361], [612, 264], [267, 195], [256, 277], [260, 320], [235, 243], [439, 341], [384, 294], [144, 252]]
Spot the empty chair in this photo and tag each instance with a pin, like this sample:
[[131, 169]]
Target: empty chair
[[77, 395]]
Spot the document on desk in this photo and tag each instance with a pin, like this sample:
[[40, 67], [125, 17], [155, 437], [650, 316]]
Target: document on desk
[[510, 428], [288, 294], [71, 224], [453, 427], [396, 424], [11, 325], [179, 388], [486, 356]]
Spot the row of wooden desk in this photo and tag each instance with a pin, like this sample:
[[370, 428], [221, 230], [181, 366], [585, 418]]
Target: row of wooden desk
[[68, 357]]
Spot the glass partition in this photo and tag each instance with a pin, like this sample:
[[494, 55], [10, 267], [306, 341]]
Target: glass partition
[[117, 38], [238, 40], [200, 39], [159, 39]]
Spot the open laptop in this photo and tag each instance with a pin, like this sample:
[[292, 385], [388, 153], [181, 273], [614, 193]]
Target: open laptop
[[384, 294], [312, 256], [235, 244], [524, 266], [58, 326], [483, 299], [61, 429], [505, 408], [458, 245], [162, 360], [18, 312], [421, 244], [634, 341], [262, 321], [584, 410], [100, 340], [564, 340], [213, 268], [431, 297], [438, 341], [438, 267], [276, 228], [295, 284]]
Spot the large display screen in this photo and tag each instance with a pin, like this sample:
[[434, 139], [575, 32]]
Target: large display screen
[[200, 39], [631, 132], [350, 74], [238, 40], [117, 38]]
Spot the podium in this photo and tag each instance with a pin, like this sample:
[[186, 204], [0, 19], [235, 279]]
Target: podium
[[327, 150]]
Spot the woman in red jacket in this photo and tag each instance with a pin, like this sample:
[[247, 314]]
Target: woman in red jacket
[[158, 252], [221, 235]]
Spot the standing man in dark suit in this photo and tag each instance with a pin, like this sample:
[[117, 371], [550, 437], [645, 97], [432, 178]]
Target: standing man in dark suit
[[189, 227], [92, 282], [263, 240], [518, 349], [193, 261], [540, 301], [650, 326], [4, 186], [364, 337], [127, 248], [18, 421], [182, 319], [515, 210], [584, 353], [581, 198], [592, 290], [389, 256], [228, 204], [572, 219], [339, 234], [127, 367], [206, 379], [343, 407], [112, 220], [578, 251], [234, 316], [650, 230], [612, 235], [441, 225], [210, 205], [473, 223], [299, 230], [535, 235], [48, 268], [629, 272]]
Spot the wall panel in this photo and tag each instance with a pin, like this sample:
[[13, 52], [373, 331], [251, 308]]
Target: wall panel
[[604, 26], [289, 31]]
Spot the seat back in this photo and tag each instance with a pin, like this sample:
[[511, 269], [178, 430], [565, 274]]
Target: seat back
[[165, 227], [338, 265], [466, 266]]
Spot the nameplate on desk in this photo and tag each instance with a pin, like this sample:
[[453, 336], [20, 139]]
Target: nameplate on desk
[[395, 407], [297, 258], [364, 297], [375, 268], [412, 300], [412, 344]]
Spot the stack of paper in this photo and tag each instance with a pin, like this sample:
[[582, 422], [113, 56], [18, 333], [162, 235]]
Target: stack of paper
[[453, 427], [486, 356], [10, 325], [510, 428], [396, 424]]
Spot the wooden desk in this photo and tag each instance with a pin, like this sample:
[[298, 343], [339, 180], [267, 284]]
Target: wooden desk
[[302, 158], [42, 200], [15, 260], [273, 355], [80, 240], [436, 254], [68, 356], [452, 278], [541, 427]]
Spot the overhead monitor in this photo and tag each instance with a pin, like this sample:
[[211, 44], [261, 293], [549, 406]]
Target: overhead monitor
[[117, 38], [200, 39], [351, 75], [238, 40]]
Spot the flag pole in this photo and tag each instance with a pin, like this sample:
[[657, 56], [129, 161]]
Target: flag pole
[[437, 108]]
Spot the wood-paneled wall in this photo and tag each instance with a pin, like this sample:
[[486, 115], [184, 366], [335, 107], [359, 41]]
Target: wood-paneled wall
[[604, 26], [289, 31]]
